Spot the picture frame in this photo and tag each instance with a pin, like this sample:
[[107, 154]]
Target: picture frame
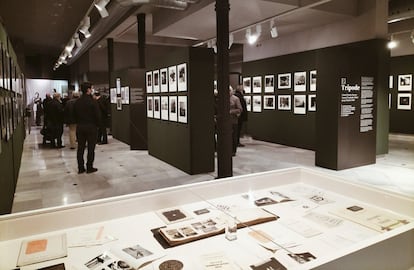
[[268, 102], [157, 107], [156, 81], [164, 107], [284, 81], [148, 81], [299, 80], [1, 65], [257, 103], [312, 80], [404, 101], [299, 104], [405, 82], [150, 107], [257, 84], [118, 86], [247, 85], [172, 79], [118, 103], [112, 94], [312, 103], [173, 116], [391, 82], [182, 109], [269, 83], [125, 97], [284, 102], [164, 80], [248, 100], [182, 77]]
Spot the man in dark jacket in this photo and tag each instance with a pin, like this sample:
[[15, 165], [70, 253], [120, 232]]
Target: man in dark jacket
[[55, 119], [87, 117], [103, 107], [243, 115]]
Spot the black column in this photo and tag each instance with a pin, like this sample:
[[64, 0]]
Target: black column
[[224, 129], [141, 40], [110, 44]]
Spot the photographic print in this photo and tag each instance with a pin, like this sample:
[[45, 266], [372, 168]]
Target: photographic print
[[156, 81], [302, 257], [99, 262], [182, 77], [283, 102], [299, 104], [312, 79], [405, 82], [173, 108], [172, 79], [118, 86], [113, 95], [182, 109], [269, 83], [164, 80], [148, 79], [257, 103], [157, 106], [119, 104], [1, 65], [247, 85], [164, 108], [150, 107], [312, 103], [269, 102], [284, 81], [404, 101], [119, 265], [391, 82], [264, 201], [137, 252], [299, 81], [272, 263], [248, 100], [257, 84]]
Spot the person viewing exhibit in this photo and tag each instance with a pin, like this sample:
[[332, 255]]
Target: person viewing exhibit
[[235, 112], [243, 116]]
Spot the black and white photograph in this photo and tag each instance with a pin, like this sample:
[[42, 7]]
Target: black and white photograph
[[284, 102], [182, 109], [98, 262], [284, 81], [264, 201], [257, 84], [113, 95], [182, 77], [119, 103], [164, 80], [173, 215], [299, 80], [257, 103], [312, 103], [1, 65], [269, 102], [137, 252], [174, 234], [118, 85], [164, 107], [156, 81], [248, 100], [404, 101], [312, 80], [157, 106], [188, 231], [247, 85], [150, 107], [405, 82], [269, 83], [299, 104], [272, 263], [302, 257], [391, 82], [172, 79], [120, 265], [148, 79], [173, 108]]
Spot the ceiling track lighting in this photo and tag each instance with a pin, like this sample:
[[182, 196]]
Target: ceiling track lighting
[[101, 7], [412, 36], [392, 43], [77, 40], [273, 30], [231, 40], [85, 25]]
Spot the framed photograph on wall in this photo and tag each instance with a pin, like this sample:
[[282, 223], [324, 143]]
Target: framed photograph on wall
[[112, 94], [156, 81], [172, 79], [312, 103], [182, 77], [157, 109], [150, 107], [118, 103], [125, 97], [247, 85], [164, 80], [284, 102], [299, 104], [173, 108], [404, 101], [405, 82], [299, 80], [1, 65], [148, 80], [182, 109], [257, 84], [284, 81], [269, 102], [257, 103], [248, 100], [312, 80], [269, 83], [391, 82], [164, 107]]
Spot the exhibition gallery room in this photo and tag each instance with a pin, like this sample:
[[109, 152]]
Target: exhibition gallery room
[[206, 134]]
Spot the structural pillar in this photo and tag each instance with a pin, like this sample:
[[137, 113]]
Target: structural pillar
[[141, 39], [224, 128], [110, 45]]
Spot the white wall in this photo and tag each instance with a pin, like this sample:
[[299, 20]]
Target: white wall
[[43, 86]]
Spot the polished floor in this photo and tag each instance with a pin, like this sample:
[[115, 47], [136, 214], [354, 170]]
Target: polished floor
[[48, 177]]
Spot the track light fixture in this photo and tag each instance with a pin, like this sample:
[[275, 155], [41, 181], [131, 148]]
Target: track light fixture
[[273, 29], [412, 36], [392, 43], [101, 7], [231, 40], [251, 38], [77, 40], [84, 28]]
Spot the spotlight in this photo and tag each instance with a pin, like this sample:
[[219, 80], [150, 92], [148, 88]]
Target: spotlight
[[250, 37], [214, 45], [77, 40], [412, 36], [231, 40], [70, 46], [101, 7], [85, 24], [273, 29], [392, 43]]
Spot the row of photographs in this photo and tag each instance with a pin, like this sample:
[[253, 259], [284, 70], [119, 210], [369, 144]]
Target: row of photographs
[[405, 82], [171, 79], [9, 79], [123, 94], [170, 108], [284, 81], [284, 103], [403, 101], [11, 113]]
